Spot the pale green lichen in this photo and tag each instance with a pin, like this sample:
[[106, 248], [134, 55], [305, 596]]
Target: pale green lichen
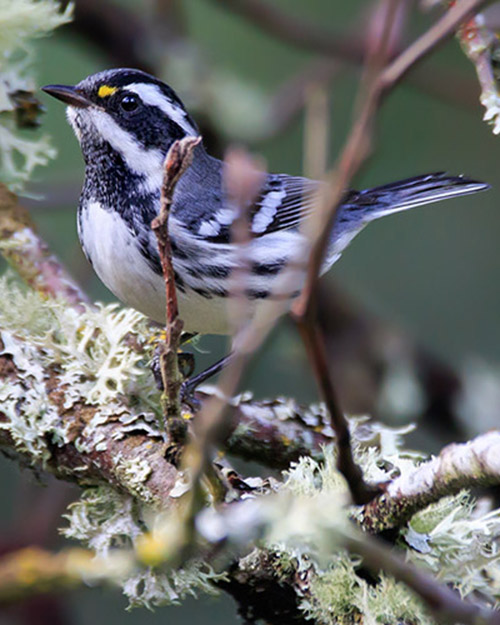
[[106, 520], [463, 545], [37, 421], [21, 21], [95, 362], [134, 474], [340, 595]]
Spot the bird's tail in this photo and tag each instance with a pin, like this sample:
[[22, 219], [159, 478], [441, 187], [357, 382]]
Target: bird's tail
[[413, 192]]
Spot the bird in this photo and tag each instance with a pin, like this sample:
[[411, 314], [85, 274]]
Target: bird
[[125, 121]]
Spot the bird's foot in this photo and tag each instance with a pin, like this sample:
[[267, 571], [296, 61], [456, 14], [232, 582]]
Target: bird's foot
[[188, 396]]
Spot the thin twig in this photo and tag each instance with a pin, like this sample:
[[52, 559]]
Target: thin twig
[[178, 159], [357, 147], [437, 33], [358, 144], [360, 491], [303, 310], [243, 179], [355, 152]]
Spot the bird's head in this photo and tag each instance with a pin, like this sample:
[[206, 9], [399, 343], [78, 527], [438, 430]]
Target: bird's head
[[127, 110]]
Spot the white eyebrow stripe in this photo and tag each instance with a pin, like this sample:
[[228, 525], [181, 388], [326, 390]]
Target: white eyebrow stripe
[[152, 95]]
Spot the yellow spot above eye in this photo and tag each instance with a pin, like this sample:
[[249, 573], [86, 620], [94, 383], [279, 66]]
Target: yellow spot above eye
[[105, 91]]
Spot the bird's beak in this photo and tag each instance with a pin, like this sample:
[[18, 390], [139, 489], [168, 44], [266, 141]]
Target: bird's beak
[[69, 95]]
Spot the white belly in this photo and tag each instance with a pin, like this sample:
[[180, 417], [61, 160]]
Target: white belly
[[109, 245]]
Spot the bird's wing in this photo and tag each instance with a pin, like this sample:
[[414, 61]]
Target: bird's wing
[[281, 205]]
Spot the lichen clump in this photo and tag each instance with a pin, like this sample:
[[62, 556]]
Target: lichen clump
[[94, 357], [107, 521], [22, 21]]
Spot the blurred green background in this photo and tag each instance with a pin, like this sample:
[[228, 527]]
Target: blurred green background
[[432, 271]]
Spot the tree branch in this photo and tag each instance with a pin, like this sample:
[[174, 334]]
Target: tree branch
[[276, 432], [32, 570], [178, 159], [458, 466], [445, 604], [378, 81], [29, 255], [81, 456]]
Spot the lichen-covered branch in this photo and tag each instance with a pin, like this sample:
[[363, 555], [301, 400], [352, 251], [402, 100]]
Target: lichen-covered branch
[[312, 511], [29, 255], [277, 432], [73, 399], [78, 400], [33, 570], [445, 604], [458, 466]]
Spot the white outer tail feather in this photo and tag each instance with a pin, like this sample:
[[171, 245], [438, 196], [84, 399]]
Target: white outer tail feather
[[421, 190]]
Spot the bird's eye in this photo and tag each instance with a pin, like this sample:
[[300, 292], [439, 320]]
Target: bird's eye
[[129, 102]]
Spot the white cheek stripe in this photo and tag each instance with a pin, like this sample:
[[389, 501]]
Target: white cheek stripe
[[71, 117], [152, 95]]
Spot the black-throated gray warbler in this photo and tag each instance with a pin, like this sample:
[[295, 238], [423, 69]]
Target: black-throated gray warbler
[[125, 121]]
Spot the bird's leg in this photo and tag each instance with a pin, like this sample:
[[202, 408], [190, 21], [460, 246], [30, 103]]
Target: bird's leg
[[189, 386], [186, 366], [187, 336], [186, 360]]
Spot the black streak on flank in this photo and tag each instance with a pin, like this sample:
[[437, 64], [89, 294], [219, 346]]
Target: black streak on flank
[[208, 271], [268, 269]]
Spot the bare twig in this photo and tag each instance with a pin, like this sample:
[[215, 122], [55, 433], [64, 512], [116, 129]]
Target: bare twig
[[437, 33], [243, 179], [355, 152], [178, 159], [358, 144], [361, 492], [29, 255]]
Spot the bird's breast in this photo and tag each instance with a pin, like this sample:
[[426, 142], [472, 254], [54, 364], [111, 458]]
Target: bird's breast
[[112, 248]]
